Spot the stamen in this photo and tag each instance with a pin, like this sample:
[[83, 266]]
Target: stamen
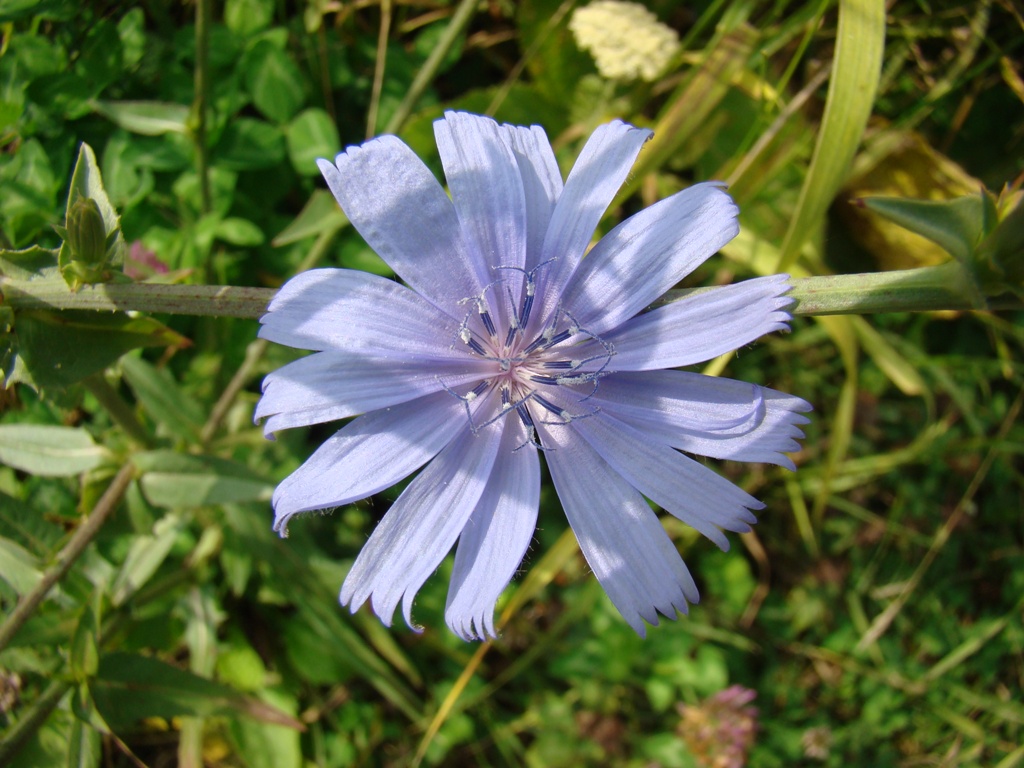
[[467, 398], [547, 404], [524, 313], [485, 317], [526, 309], [524, 415]]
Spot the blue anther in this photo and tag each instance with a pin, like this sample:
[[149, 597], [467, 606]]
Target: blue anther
[[485, 317]]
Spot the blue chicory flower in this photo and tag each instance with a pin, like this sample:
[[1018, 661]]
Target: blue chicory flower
[[504, 343]]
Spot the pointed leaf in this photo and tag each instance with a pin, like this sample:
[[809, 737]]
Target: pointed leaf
[[145, 556], [320, 214], [49, 450], [273, 80], [129, 688], [311, 135], [18, 567], [29, 263], [173, 480], [955, 225], [856, 71], [57, 349], [87, 182], [149, 118], [162, 398]]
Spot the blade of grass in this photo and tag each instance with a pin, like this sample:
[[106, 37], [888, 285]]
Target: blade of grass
[[459, 22], [378, 69], [851, 94], [841, 331], [539, 577], [693, 103], [884, 620]]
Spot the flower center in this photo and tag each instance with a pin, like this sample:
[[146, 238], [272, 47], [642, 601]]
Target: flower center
[[535, 373]]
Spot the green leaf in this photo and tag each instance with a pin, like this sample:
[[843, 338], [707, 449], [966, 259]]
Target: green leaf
[[18, 567], [130, 688], [28, 191], [956, 225], [248, 16], [29, 263], [899, 370], [145, 556], [693, 103], [320, 214], [85, 658], [11, 10], [174, 480], [86, 185], [84, 745], [249, 144], [48, 450], [162, 398], [311, 135], [269, 746], [999, 260], [149, 118], [856, 71], [127, 182], [274, 82], [132, 30], [57, 349], [239, 232], [26, 525]]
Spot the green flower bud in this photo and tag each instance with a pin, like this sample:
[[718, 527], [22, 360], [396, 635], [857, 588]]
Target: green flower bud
[[1000, 256], [87, 233]]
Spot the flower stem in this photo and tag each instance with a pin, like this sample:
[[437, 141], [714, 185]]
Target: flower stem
[[202, 87], [205, 300], [255, 350], [945, 287]]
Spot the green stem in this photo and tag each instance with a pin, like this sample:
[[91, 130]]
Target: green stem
[[433, 63], [255, 350], [67, 556], [945, 287], [925, 289], [204, 300], [378, 71], [202, 86]]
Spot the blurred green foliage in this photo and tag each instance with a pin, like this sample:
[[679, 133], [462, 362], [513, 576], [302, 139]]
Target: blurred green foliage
[[876, 610]]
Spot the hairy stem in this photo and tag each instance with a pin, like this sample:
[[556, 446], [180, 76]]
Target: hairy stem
[[256, 348], [944, 287]]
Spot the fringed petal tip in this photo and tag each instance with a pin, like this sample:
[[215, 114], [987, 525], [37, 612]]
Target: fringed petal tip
[[473, 628], [653, 615]]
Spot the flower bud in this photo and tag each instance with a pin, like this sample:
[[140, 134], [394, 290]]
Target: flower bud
[[87, 233], [1000, 257]]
